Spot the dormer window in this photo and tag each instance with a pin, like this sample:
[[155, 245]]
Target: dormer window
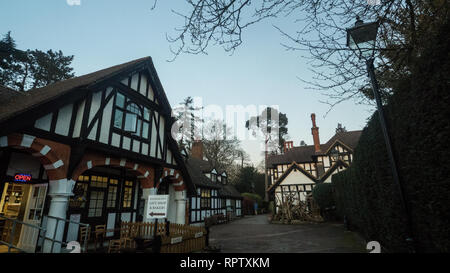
[[224, 178], [214, 175]]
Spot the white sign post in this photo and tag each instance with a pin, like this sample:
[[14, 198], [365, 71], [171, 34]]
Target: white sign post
[[157, 206]]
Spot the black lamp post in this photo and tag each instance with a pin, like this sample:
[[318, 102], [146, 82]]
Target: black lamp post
[[334, 154], [361, 39]]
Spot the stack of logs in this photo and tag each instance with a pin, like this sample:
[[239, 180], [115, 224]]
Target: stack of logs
[[291, 209]]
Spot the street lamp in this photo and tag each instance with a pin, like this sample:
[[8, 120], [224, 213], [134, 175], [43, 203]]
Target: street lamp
[[334, 154], [361, 39]]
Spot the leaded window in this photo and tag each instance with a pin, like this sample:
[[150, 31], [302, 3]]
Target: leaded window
[[112, 193], [127, 194], [131, 117]]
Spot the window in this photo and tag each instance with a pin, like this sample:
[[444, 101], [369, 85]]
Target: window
[[96, 204], [131, 117], [112, 193], [99, 181], [132, 121], [213, 177], [118, 119], [205, 198], [127, 194], [120, 100], [224, 180]]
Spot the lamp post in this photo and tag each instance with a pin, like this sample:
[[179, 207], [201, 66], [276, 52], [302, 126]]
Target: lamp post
[[334, 154], [361, 39]]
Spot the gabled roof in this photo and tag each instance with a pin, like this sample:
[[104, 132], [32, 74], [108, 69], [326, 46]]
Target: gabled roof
[[304, 154], [332, 169], [349, 139], [293, 166], [195, 169], [296, 154], [16, 107], [35, 97], [205, 166]]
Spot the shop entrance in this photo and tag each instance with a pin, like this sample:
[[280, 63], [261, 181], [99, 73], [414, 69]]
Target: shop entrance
[[24, 202], [103, 197]]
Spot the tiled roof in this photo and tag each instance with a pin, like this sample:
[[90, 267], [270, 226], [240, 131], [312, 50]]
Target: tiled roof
[[303, 154], [205, 165], [7, 93], [350, 139], [35, 97], [197, 168], [195, 171], [229, 191]]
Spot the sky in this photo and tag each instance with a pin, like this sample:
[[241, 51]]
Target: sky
[[103, 33]]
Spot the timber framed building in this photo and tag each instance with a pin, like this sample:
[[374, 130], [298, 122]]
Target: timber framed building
[[91, 149], [214, 195], [294, 173]]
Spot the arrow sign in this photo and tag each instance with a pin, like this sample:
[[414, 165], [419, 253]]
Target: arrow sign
[[157, 206], [156, 214]]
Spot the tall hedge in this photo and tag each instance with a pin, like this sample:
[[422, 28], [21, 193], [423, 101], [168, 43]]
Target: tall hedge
[[417, 116]]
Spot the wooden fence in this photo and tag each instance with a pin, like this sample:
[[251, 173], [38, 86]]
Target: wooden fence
[[179, 239]]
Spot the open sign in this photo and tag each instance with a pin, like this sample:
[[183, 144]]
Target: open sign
[[20, 177]]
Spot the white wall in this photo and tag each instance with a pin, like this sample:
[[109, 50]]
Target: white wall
[[172, 209], [296, 177]]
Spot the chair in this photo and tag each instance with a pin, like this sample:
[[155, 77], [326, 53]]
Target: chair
[[127, 233], [115, 246], [85, 235], [99, 235]]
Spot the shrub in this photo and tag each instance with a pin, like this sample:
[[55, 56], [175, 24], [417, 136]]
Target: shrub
[[323, 195], [417, 116]]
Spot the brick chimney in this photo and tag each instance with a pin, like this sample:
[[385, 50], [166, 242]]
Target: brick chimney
[[197, 149], [315, 133], [288, 145]]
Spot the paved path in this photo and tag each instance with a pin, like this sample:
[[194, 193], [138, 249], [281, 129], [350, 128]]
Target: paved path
[[254, 234]]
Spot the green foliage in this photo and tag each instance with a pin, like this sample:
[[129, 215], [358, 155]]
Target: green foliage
[[323, 195], [417, 116], [23, 70], [250, 180]]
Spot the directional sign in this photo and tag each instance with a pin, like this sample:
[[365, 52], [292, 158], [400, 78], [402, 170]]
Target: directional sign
[[157, 206]]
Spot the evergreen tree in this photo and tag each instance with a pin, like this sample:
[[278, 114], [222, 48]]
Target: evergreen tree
[[29, 69]]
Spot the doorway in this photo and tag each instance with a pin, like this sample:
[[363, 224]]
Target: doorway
[[24, 202]]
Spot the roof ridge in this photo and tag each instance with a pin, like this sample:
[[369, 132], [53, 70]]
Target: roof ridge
[[93, 73]]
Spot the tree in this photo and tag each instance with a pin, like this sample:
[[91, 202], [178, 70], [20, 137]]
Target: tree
[[244, 157], [250, 180], [29, 69], [188, 123], [221, 148], [339, 74], [273, 125]]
